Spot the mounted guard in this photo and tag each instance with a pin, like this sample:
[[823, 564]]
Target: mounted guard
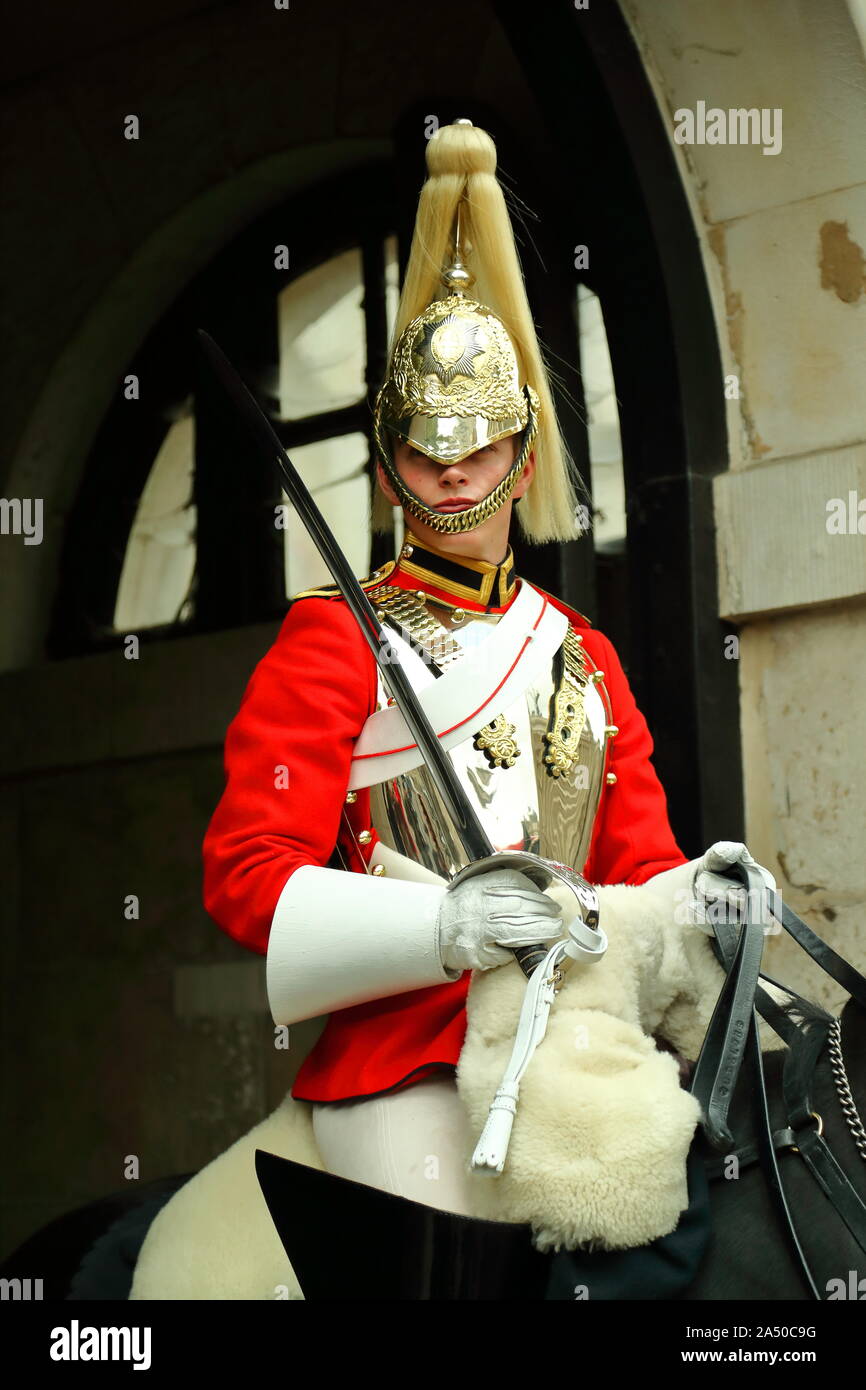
[[430, 848]]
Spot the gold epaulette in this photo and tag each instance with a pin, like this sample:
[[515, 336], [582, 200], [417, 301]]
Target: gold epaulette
[[333, 590]]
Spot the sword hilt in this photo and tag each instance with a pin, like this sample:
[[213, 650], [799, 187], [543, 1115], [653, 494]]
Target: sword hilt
[[587, 940]]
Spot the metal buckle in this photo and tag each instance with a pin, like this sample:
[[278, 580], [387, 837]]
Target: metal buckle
[[820, 1130]]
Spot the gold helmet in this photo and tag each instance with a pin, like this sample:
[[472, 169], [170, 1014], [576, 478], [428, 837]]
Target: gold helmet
[[458, 379], [454, 386]]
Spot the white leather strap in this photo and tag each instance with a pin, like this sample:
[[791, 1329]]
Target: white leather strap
[[484, 682], [492, 1147]]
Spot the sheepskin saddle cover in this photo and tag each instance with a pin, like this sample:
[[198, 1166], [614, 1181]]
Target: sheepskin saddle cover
[[597, 1157]]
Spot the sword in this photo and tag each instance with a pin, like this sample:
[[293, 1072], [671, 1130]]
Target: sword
[[586, 940]]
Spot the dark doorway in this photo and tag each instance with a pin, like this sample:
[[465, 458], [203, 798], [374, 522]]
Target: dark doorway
[[610, 175], [605, 178]]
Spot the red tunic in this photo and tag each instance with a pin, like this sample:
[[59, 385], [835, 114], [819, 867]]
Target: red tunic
[[287, 760]]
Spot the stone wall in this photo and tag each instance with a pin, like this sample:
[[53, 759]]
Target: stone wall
[[783, 237]]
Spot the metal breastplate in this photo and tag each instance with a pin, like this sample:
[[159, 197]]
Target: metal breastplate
[[533, 774]]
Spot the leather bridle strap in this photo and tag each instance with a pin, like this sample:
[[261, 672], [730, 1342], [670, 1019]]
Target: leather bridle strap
[[809, 1142], [833, 1182], [721, 1056], [767, 1140], [730, 950], [718, 1066], [829, 960], [805, 1045], [770, 1163]]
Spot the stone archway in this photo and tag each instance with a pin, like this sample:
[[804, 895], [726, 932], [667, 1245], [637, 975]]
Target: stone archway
[[782, 240], [84, 378]]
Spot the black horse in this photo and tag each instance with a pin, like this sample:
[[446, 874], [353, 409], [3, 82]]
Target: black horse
[[91, 1253], [750, 1254], [784, 1203]]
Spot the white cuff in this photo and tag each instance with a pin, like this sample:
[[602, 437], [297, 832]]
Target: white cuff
[[339, 938]]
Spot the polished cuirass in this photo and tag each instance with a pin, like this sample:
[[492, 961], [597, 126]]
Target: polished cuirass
[[532, 768]]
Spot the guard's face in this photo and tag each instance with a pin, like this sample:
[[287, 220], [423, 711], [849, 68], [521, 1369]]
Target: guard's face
[[455, 486]]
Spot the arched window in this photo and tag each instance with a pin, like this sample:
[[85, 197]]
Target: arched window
[[178, 525], [159, 562], [322, 370], [602, 419]]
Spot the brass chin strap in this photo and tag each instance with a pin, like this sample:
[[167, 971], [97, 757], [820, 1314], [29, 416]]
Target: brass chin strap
[[454, 523]]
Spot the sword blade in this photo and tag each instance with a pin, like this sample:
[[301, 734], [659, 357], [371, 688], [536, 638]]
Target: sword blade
[[472, 834]]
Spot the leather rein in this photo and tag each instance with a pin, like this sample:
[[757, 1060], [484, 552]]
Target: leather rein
[[733, 1032]]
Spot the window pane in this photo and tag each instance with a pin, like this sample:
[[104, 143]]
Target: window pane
[[160, 557], [392, 299], [322, 339], [392, 282], [605, 447], [334, 471]]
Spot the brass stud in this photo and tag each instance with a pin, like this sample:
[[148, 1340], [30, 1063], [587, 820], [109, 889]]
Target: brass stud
[[406, 551], [351, 797], [610, 779], [577, 637], [458, 615], [365, 837], [597, 676], [381, 614], [378, 870], [421, 594], [611, 730]]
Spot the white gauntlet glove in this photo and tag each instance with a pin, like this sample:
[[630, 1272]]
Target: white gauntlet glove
[[700, 891], [714, 893], [484, 916], [338, 939]]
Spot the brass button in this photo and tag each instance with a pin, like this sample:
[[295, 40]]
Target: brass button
[[365, 837], [610, 778], [378, 870], [598, 676], [458, 615], [421, 594], [351, 798], [577, 637], [611, 730], [406, 551]]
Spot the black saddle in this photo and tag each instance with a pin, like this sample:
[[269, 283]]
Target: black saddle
[[348, 1241]]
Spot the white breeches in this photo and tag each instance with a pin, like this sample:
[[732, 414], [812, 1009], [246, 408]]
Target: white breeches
[[415, 1143]]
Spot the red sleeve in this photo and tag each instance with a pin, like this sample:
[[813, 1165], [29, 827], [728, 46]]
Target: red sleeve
[[632, 839], [288, 754]]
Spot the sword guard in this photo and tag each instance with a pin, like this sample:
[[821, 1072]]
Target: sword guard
[[586, 939]]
